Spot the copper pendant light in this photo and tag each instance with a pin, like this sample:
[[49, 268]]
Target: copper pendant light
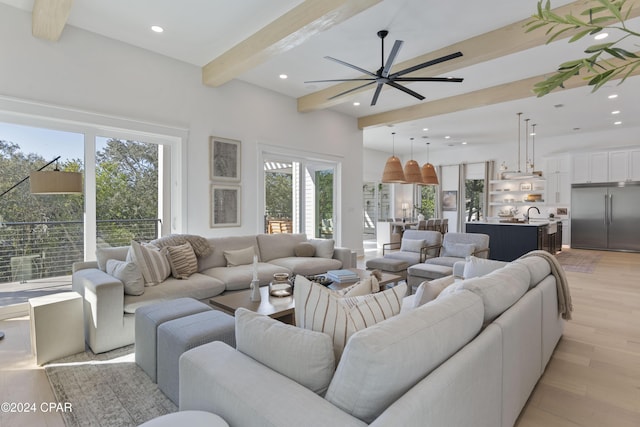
[[428, 172], [412, 170], [393, 173]]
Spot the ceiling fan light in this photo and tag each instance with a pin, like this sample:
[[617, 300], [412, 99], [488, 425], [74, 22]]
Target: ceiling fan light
[[412, 172], [393, 172], [429, 176]]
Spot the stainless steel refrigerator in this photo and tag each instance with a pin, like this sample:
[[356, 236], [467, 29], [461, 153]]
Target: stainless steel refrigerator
[[606, 216]]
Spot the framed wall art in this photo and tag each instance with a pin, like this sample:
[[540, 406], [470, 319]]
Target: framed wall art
[[225, 206], [449, 200], [224, 159]]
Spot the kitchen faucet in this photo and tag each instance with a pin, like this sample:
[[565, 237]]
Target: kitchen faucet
[[526, 216]]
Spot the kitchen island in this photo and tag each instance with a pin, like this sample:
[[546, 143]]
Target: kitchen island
[[510, 239]]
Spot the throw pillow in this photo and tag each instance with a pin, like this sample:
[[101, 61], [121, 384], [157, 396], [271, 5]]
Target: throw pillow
[[129, 274], [240, 256], [320, 309], [370, 285], [152, 262], [308, 359], [412, 245], [458, 250], [305, 249], [429, 290], [324, 247], [106, 253], [476, 267], [182, 260], [201, 246]]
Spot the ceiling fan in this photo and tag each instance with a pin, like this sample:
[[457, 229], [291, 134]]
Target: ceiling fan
[[382, 76]]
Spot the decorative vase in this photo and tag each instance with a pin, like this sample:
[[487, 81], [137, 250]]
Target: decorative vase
[[420, 217], [281, 285], [255, 290]]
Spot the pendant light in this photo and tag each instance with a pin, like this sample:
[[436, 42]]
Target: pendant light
[[429, 176], [519, 132], [412, 170], [526, 145], [393, 173], [532, 161]]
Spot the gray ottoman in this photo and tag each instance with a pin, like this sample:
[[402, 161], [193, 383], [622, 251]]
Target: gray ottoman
[[389, 265], [177, 336], [147, 320], [420, 272]]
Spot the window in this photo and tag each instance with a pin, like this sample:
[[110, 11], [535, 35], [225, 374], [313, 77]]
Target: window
[[426, 200]]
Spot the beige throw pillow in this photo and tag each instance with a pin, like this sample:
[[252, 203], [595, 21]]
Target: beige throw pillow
[[182, 260], [240, 256], [129, 274], [305, 249], [320, 309], [152, 262]]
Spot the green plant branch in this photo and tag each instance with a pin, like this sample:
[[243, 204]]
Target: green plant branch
[[603, 15]]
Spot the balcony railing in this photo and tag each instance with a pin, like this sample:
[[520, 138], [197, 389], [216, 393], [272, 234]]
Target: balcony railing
[[34, 250]]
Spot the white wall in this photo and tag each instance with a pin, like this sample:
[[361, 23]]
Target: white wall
[[91, 73]]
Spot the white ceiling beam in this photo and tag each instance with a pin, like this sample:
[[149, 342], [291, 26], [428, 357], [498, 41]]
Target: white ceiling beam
[[481, 98], [49, 18], [288, 31], [485, 47]]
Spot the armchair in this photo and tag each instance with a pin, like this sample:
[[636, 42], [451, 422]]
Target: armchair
[[457, 246], [416, 246]]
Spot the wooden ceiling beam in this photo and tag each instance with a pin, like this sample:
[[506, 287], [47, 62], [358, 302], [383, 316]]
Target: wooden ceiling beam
[[481, 98], [504, 41], [288, 31], [49, 17]]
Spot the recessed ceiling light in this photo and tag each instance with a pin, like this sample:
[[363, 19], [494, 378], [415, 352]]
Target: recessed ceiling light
[[601, 36], [617, 123], [356, 103], [532, 134], [613, 96], [464, 142], [425, 129], [157, 29], [284, 76], [615, 112], [447, 137]]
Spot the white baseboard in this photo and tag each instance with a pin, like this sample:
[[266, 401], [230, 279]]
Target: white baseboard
[[14, 310]]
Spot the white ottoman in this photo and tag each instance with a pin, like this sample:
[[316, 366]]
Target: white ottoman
[[389, 265], [57, 326], [187, 419], [147, 320], [179, 335], [420, 272]]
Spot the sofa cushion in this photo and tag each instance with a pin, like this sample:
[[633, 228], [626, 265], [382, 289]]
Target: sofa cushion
[[220, 244], [307, 360], [411, 346], [152, 262], [430, 289], [476, 267], [282, 245], [198, 286], [324, 247], [240, 256], [457, 250], [104, 254], [200, 245], [499, 290], [305, 249], [322, 310], [539, 268], [182, 260], [129, 274], [410, 257], [240, 277], [412, 245], [307, 265], [446, 261], [370, 285]]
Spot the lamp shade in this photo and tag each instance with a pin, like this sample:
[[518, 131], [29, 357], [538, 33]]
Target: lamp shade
[[412, 172], [429, 176], [393, 172], [55, 182]]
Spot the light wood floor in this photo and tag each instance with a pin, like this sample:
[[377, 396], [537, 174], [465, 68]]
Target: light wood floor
[[593, 379]]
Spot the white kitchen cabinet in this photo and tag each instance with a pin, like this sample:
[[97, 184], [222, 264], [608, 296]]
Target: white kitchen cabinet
[[558, 189], [590, 167], [557, 165], [624, 165]]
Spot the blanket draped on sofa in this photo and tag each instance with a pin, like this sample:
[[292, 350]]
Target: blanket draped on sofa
[[565, 306]]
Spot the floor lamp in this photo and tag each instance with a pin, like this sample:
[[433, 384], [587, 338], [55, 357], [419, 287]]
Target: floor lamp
[[50, 182]]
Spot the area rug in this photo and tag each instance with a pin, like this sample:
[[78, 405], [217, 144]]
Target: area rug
[[579, 262], [107, 389]]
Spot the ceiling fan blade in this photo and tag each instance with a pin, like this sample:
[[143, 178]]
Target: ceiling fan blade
[[429, 79], [376, 94], [362, 70], [340, 80], [351, 90], [405, 90], [426, 64], [392, 57]]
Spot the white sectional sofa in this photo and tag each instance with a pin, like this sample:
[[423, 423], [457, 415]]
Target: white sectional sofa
[[471, 357], [109, 312]]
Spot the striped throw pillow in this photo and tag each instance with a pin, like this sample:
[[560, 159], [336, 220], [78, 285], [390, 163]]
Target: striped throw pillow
[[152, 262], [182, 260], [320, 309]]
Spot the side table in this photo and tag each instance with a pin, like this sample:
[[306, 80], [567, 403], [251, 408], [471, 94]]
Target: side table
[[57, 326]]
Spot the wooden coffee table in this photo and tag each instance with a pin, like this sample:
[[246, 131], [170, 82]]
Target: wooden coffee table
[[387, 279], [280, 308]]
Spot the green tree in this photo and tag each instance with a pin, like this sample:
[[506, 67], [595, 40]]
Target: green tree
[[474, 189], [278, 194]]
